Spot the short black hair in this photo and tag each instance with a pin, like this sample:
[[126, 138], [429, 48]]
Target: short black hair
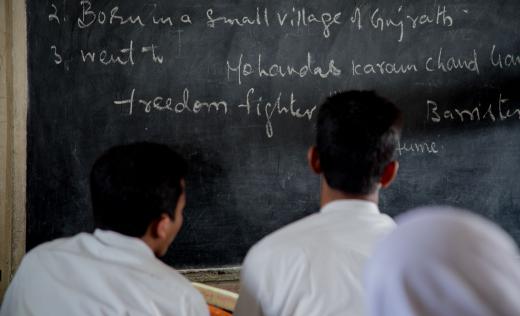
[[357, 136], [132, 185]]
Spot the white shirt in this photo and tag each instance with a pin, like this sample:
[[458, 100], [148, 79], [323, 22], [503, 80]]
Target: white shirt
[[315, 265], [104, 273], [444, 262]]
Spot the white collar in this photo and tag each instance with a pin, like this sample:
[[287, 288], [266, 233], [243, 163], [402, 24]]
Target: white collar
[[351, 205], [123, 242]]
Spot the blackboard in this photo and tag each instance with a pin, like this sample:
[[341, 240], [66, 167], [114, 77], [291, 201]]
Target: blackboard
[[235, 86]]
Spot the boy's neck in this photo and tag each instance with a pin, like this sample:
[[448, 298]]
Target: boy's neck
[[329, 194]]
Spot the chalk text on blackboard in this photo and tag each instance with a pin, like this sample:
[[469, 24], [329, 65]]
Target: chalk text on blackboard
[[123, 57], [382, 68], [399, 21], [268, 108], [381, 22], [300, 17], [258, 19], [168, 20], [259, 69], [56, 56], [446, 63], [88, 17], [295, 18], [155, 56], [502, 61], [54, 16], [492, 112], [160, 103], [420, 148]]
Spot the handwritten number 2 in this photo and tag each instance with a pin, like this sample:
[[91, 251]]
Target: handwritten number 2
[[54, 16]]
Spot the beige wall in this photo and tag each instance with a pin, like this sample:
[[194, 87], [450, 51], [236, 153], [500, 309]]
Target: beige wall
[[5, 239], [13, 109]]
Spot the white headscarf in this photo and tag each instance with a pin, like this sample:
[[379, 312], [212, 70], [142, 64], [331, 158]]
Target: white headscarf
[[444, 262]]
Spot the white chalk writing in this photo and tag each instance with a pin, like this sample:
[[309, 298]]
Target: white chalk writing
[[153, 49], [295, 18], [449, 64], [54, 16], [160, 103], [382, 68], [491, 112], [502, 61], [88, 17], [57, 57], [257, 19], [401, 22], [260, 62], [123, 57], [169, 21], [418, 148], [243, 69], [269, 108]]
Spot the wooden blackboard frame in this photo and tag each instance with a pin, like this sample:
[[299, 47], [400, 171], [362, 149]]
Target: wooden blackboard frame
[[13, 131]]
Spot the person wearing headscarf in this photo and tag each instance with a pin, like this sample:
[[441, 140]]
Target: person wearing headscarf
[[442, 262]]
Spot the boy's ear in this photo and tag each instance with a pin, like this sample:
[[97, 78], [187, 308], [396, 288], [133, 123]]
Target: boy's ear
[[163, 226], [314, 160], [159, 227], [389, 174]]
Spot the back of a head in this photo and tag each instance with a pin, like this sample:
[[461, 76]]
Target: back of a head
[[133, 185], [443, 261], [357, 136]]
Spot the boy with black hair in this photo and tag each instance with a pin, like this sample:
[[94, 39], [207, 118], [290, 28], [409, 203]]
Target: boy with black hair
[[314, 266], [138, 198]]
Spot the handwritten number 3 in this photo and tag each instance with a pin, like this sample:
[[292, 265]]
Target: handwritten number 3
[[57, 57]]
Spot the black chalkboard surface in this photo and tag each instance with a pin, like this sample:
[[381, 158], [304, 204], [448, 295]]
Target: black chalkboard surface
[[235, 86]]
